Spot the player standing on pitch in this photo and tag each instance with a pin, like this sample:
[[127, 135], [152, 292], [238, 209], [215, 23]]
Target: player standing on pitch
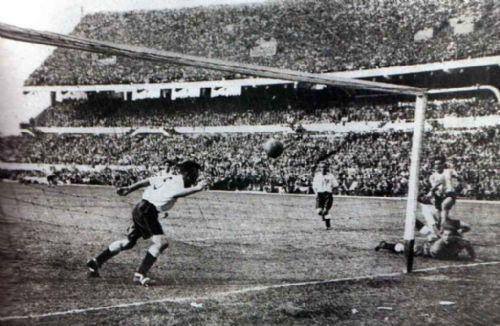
[[161, 193], [323, 184], [443, 189]]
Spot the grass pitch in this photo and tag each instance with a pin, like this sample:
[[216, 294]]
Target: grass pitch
[[234, 258]]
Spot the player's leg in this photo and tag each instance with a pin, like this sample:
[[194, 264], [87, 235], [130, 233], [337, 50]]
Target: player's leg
[[394, 247], [112, 250], [428, 228], [399, 248], [438, 203], [446, 206], [159, 245], [153, 230], [464, 227], [319, 205], [328, 206]]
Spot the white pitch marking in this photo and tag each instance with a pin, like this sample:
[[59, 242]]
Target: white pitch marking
[[221, 295]]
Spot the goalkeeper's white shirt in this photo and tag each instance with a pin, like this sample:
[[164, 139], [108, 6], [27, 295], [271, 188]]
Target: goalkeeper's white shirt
[[163, 189]]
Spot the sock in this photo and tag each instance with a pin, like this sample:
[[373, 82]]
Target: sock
[[146, 264], [399, 248], [327, 222], [419, 224], [105, 256]]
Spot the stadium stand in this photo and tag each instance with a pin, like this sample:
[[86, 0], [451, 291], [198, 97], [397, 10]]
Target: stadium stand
[[315, 36], [374, 164], [223, 111]]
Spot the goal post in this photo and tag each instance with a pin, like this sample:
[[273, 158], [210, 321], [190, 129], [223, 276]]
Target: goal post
[[142, 53], [411, 203]]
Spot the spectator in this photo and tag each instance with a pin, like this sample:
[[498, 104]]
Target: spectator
[[222, 111], [311, 35], [373, 164]]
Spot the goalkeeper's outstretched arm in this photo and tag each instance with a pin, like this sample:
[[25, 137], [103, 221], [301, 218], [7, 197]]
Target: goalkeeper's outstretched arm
[[469, 248]]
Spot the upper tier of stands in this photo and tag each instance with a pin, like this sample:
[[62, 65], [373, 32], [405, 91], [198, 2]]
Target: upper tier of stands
[[224, 111], [311, 35]]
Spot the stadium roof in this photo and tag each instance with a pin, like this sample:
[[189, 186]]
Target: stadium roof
[[146, 54], [379, 73]]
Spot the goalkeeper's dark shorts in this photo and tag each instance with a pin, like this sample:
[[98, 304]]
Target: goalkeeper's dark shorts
[[145, 221], [324, 200]]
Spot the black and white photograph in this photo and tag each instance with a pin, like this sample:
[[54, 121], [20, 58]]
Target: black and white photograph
[[250, 162]]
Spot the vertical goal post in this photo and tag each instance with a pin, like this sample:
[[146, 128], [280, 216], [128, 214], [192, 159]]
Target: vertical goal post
[[411, 203], [418, 138], [141, 53]]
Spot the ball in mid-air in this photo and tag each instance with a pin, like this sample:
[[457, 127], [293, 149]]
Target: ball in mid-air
[[273, 148]]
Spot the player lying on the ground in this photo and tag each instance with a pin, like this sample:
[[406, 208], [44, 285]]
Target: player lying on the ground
[[443, 182], [447, 247], [323, 184], [161, 193]]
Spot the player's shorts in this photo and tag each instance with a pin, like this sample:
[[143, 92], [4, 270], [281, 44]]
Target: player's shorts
[[438, 200], [145, 221], [324, 200]]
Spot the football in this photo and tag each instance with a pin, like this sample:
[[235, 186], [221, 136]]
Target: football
[[273, 148]]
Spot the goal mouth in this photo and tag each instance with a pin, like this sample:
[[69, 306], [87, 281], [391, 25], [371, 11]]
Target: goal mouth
[[142, 53]]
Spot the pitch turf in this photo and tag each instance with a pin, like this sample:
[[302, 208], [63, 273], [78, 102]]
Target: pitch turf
[[227, 252]]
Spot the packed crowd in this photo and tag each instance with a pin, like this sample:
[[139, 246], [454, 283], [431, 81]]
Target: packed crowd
[[223, 111], [309, 35], [374, 164]]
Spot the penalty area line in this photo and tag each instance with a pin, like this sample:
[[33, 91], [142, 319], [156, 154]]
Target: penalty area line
[[220, 295]]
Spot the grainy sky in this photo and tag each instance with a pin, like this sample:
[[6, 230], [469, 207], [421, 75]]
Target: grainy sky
[[18, 60]]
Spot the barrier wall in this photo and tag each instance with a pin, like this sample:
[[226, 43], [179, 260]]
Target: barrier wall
[[358, 126]]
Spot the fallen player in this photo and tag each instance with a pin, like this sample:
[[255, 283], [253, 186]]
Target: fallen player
[[161, 193], [448, 246]]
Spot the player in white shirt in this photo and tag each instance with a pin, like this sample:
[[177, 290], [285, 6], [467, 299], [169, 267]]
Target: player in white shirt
[[323, 184], [161, 193], [443, 183]]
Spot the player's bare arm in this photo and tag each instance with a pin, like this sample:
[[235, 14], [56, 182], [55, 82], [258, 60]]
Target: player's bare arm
[[123, 191], [469, 248], [191, 190]]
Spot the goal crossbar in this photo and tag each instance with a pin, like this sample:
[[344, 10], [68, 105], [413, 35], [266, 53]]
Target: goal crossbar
[[79, 43], [142, 53]]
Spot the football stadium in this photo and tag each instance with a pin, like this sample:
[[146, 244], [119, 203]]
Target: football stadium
[[392, 105]]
